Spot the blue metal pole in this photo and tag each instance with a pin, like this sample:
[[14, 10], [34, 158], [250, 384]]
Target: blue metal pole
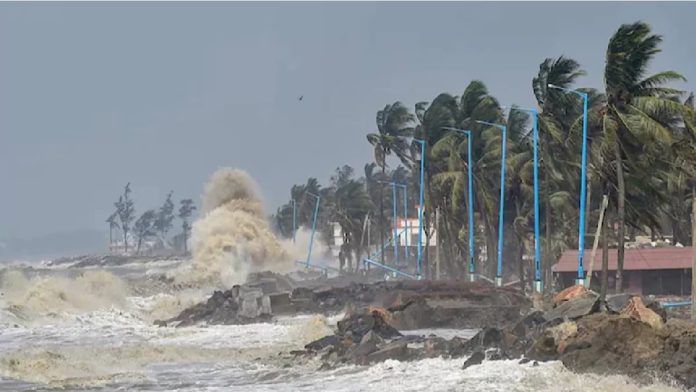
[[537, 244], [294, 220], [406, 252], [314, 227], [396, 229], [583, 194], [420, 209], [472, 265], [583, 184], [501, 227]]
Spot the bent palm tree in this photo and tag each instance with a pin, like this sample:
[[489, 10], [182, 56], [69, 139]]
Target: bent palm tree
[[394, 128], [634, 116]]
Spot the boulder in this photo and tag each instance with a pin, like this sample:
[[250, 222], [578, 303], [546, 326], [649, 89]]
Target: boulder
[[561, 333], [637, 310], [360, 324], [326, 341], [475, 359], [371, 337], [575, 308], [570, 293], [616, 303], [397, 350], [656, 307]]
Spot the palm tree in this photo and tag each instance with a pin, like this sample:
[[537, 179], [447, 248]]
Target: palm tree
[[557, 114], [633, 118], [446, 157], [112, 220], [351, 204], [394, 128]]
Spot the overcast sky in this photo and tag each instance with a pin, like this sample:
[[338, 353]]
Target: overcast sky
[[95, 95]]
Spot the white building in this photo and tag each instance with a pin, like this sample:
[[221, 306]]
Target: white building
[[408, 232]]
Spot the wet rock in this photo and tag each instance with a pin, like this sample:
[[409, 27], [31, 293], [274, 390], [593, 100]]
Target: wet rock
[[361, 324], [160, 323], [475, 359], [322, 343], [360, 352], [371, 337], [397, 350]]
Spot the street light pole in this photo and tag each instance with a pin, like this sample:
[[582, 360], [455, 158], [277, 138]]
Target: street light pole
[[538, 286], [583, 183], [501, 227], [472, 265]]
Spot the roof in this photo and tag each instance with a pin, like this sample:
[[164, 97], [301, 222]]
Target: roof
[[634, 259]]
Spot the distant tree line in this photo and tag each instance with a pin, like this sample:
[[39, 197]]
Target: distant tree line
[[151, 224]]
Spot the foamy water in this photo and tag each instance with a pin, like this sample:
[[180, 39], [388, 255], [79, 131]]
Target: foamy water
[[119, 349]]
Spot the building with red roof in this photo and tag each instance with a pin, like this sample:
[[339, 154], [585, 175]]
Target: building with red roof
[[658, 271]]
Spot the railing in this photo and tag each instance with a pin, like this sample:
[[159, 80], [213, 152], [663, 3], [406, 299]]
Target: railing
[[367, 262]]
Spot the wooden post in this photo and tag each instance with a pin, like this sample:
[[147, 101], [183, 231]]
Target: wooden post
[[693, 253], [605, 202], [438, 243]]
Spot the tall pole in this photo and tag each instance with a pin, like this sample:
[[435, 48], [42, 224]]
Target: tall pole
[[406, 252], [583, 183], [501, 227], [583, 194], [538, 286], [314, 226], [472, 265], [420, 210], [693, 252], [396, 228], [537, 243], [294, 220]]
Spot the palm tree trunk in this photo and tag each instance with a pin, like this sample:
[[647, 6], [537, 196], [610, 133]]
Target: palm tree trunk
[[427, 219], [491, 242], [520, 257], [547, 259], [605, 257], [621, 198]]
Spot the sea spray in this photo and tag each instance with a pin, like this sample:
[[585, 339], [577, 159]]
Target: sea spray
[[52, 295], [232, 237]]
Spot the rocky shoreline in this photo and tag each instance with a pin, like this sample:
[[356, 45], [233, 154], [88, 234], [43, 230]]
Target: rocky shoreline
[[625, 334], [618, 336]]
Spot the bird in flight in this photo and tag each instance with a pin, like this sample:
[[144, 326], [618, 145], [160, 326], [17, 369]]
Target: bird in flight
[[300, 98]]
